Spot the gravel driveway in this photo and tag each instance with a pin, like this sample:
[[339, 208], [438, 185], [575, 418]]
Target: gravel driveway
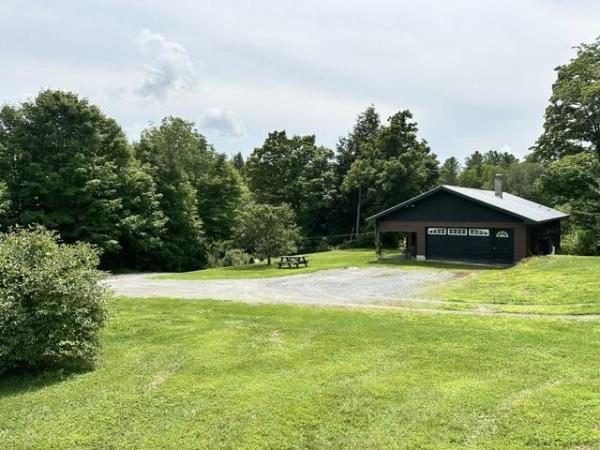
[[351, 286]]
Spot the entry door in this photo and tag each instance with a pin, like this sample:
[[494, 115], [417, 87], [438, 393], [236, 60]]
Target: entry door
[[503, 245]]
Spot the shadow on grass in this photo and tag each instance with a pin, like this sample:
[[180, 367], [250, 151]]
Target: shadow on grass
[[17, 381], [401, 261], [256, 267]]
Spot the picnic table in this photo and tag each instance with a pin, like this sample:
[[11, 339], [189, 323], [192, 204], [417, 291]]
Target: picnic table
[[289, 262]]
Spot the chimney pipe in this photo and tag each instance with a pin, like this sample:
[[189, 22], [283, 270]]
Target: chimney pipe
[[498, 185]]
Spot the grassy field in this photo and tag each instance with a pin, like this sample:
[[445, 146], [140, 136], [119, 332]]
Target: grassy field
[[562, 283], [194, 374], [317, 261]]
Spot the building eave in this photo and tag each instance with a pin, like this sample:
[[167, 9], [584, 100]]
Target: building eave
[[426, 194]]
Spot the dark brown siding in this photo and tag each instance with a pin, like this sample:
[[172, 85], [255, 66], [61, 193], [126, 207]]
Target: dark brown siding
[[520, 231], [448, 207]]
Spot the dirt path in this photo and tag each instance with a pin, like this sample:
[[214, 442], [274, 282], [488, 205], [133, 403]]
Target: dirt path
[[350, 286], [380, 288]]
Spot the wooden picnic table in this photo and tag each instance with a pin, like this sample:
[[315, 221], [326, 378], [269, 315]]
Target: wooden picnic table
[[292, 261]]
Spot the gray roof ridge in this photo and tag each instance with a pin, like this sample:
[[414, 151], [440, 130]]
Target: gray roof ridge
[[489, 198]]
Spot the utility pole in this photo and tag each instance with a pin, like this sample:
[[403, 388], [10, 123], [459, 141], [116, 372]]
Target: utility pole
[[358, 211]]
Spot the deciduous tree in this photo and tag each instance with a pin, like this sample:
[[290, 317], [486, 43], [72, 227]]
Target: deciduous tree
[[70, 168], [297, 172], [572, 120], [201, 190], [268, 230], [172, 150], [573, 182], [4, 205]]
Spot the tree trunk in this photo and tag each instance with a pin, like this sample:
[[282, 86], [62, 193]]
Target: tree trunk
[[358, 212], [268, 260]]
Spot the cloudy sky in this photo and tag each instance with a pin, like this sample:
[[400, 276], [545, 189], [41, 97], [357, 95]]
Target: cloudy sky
[[476, 74]]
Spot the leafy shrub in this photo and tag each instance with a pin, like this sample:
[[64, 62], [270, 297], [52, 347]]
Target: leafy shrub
[[237, 257], [216, 251], [51, 303], [214, 260], [323, 245], [580, 241], [220, 254]]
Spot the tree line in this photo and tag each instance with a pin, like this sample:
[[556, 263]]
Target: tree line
[[171, 201]]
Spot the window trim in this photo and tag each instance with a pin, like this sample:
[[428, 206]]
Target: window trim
[[502, 234], [479, 232], [436, 231], [457, 232]]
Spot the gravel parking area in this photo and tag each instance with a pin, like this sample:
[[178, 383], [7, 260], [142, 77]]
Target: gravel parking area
[[350, 286]]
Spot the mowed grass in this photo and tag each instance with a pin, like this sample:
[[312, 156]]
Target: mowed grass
[[548, 280], [334, 259], [213, 375]]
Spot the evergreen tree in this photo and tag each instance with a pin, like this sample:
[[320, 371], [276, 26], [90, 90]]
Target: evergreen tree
[[238, 162], [498, 159], [349, 148], [394, 165], [472, 175], [450, 171], [347, 205]]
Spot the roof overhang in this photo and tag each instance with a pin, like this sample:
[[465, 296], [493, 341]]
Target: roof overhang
[[407, 202], [475, 200]]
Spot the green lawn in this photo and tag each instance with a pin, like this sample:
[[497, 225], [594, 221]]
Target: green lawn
[[210, 375], [564, 282], [317, 261]]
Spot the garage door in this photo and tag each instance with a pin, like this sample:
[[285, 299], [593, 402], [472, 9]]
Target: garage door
[[484, 245]]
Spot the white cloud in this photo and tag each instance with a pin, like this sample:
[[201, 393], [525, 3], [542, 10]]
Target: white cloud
[[171, 68], [476, 75], [508, 149], [222, 121]]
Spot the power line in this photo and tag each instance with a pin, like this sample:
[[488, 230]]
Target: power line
[[339, 235]]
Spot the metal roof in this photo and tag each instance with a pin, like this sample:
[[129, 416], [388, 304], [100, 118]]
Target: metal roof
[[508, 203]]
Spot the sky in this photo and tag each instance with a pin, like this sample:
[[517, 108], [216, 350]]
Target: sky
[[476, 75]]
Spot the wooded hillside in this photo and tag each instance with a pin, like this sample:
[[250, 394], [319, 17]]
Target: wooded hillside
[[171, 201]]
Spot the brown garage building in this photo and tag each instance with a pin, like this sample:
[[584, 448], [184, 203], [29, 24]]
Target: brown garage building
[[473, 225]]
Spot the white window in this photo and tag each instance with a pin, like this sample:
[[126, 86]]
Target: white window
[[457, 231], [481, 232], [438, 231], [501, 234]]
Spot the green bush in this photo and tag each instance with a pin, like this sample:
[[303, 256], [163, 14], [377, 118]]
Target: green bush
[[579, 241], [323, 245], [51, 303], [237, 257]]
